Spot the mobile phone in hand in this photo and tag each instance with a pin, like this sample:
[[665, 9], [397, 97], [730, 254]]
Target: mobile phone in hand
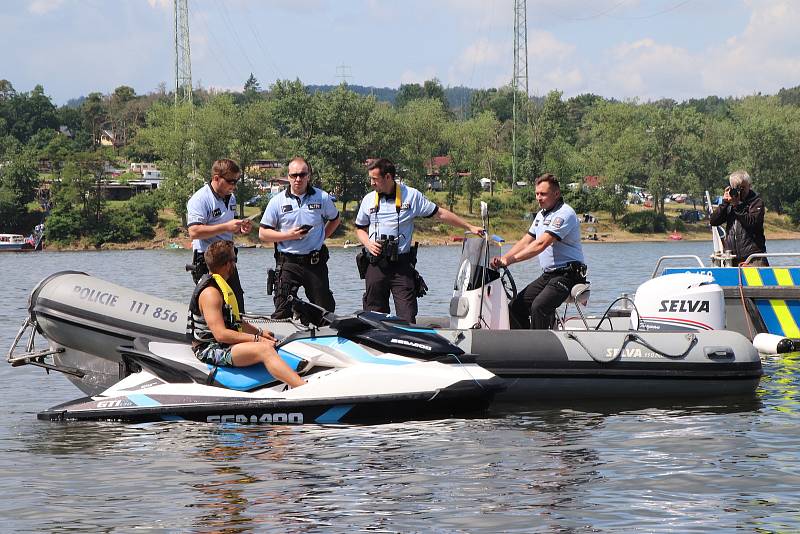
[[305, 228]]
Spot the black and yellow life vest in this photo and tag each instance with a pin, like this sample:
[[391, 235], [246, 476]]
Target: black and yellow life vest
[[196, 328]]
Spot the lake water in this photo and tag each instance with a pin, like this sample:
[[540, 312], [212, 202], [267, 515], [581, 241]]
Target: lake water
[[596, 467]]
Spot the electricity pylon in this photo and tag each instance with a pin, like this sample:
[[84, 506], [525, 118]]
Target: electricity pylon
[[183, 59], [183, 68], [520, 77]]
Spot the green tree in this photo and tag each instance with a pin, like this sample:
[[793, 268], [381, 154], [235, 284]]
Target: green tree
[[767, 139], [473, 145], [341, 145], [18, 181], [422, 123]]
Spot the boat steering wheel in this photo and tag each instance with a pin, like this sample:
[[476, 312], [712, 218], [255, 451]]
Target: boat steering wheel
[[509, 286]]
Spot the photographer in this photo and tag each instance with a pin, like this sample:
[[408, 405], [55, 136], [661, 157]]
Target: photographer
[[385, 226], [742, 213]]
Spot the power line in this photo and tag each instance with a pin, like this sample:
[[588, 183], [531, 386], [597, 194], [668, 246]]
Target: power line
[[264, 49]]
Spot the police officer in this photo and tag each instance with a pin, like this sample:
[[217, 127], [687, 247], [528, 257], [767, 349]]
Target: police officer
[[211, 216], [554, 236], [385, 227], [298, 220]]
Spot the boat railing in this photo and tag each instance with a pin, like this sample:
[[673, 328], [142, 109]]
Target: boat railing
[[772, 255], [676, 257]]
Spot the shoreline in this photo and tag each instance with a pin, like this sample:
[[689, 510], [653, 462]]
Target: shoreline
[[184, 243]]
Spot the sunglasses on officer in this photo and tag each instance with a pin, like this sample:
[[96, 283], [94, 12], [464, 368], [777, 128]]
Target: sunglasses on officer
[[298, 174]]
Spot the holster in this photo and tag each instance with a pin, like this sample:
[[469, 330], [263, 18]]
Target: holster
[[270, 281], [413, 252], [362, 262], [420, 287]]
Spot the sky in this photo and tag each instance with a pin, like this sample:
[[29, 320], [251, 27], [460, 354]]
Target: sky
[[624, 49]]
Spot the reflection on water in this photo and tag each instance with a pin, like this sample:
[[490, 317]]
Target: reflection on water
[[719, 464]]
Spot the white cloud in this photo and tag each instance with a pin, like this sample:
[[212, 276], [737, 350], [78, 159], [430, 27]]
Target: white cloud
[[161, 4], [42, 7]]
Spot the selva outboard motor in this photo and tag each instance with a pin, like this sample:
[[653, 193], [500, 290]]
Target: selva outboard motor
[[679, 302]]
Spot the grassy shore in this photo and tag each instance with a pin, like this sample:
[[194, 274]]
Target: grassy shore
[[432, 232]]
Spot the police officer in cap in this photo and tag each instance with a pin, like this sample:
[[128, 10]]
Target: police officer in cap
[[211, 216], [554, 236], [298, 220], [385, 226]]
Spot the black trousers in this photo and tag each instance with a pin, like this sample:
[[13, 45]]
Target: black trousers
[[200, 268], [396, 277], [290, 276], [534, 307]]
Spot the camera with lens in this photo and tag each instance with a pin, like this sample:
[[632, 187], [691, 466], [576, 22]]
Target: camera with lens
[[734, 192], [389, 246]]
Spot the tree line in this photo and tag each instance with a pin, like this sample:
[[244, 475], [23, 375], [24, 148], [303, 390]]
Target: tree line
[[663, 146]]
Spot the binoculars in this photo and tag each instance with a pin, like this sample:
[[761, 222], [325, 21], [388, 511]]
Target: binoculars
[[389, 247]]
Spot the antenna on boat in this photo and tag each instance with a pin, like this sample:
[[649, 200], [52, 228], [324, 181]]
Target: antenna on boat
[[485, 256]]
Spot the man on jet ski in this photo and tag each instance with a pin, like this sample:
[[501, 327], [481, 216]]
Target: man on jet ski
[[554, 236], [219, 336]]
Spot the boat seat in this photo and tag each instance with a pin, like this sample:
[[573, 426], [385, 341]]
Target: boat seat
[[579, 294]]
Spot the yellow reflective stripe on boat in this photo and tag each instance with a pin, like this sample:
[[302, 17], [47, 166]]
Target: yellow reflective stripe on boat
[[783, 276], [751, 276], [784, 316]]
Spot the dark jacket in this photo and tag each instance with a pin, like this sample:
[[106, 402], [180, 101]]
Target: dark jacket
[[744, 226]]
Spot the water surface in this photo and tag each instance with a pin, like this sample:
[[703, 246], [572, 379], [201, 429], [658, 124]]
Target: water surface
[[724, 465]]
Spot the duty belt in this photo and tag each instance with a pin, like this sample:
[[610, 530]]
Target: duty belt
[[312, 258], [571, 267]]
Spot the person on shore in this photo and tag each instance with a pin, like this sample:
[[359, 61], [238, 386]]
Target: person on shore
[[219, 336], [385, 227], [554, 236], [298, 220], [742, 213], [211, 217]]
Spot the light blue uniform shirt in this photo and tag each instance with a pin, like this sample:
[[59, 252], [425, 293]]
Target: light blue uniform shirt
[[561, 222], [385, 220], [205, 207], [286, 211]]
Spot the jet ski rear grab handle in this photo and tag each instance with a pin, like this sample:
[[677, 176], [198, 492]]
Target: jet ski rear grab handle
[[36, 357]]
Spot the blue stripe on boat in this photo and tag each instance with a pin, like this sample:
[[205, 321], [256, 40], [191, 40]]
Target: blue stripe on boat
[[140, 399], [334, 414]]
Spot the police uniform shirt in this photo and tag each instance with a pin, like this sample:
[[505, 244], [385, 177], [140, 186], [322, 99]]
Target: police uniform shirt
[[563, 224], [207, 208], [384, 219], [286, 211]]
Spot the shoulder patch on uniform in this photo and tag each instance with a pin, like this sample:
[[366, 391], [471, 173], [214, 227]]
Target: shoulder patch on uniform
[[373, 210], [315, 206], [557, 222], [286, 208], [405, 206]]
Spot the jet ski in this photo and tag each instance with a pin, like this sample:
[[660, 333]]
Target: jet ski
[[352, 377]]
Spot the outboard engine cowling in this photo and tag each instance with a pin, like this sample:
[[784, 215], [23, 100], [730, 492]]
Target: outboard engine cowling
[[681, 301]]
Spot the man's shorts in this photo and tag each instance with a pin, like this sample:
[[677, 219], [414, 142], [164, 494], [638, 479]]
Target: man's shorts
[[216, 354]]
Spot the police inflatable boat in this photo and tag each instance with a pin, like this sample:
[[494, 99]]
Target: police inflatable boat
[[668, 344], [127, 351]]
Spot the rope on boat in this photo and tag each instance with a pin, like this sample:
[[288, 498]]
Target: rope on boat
[[639, 339]]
